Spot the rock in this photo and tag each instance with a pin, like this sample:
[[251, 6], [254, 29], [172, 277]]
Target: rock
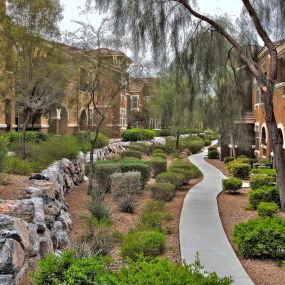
[[39, 218], [46, 245], [65, 219], [6, 279], [35, 192], [59, 236], [69, 184], [39, 176], [12, 257], [47, 187], [34, 241]]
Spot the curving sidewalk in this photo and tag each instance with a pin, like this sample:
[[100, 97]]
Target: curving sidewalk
[[201, 230]]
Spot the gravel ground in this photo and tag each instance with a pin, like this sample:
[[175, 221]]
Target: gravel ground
[[232, 208]]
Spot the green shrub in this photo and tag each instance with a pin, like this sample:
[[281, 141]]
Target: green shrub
[[4, 179], [83, 140], [207, 142], [123, 184], [165, 133], [138, 134], [103, 171], [265, 162], [141, 147], [127, 204], [158, 148], [185, 172], [228, 159], [261, 238], [162, 191], [212, 154], [260, 180], [15, 165], [143, 168], [98, 208], [148, 243], [131, 153], [267, 209], [153, 215], [266, 171], [159, 155], [195, 146], [3, 153], [240, 170], [232, 184], [183, 164], [158, 165], [212, 147], [134, 160], [171, 178], [264, 194], [31, 136]]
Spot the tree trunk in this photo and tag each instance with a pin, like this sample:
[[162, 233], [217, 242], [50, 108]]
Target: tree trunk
[[177, 139], [23, 138], [276, 142], [91, 169]]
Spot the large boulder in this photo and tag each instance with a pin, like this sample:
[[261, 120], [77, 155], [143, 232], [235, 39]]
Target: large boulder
[[59, 236]]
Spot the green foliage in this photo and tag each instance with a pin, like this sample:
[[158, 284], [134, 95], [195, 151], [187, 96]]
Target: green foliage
[[138, 134], [153, 215], [232, 184], [228, 159], [239, 169], [165, 133], [186, 165], [99, 209], [31, 137], [149, 243], [158, 148], [84, 141], [127, 204], [4, 179], [162, 191], [103, 171], [158, 165], [267, 209], [159, 155], [261, 238], [213, 154], [137, 165], [260, 180], [265, 162], [264, 194], [131, 153], [15, 165], [141, 147], [195, 146], [185, 172], [171, 178], [3, 153], [207, 142], [266, 171]]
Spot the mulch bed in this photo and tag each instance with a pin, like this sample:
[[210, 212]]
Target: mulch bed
[[232, 209]]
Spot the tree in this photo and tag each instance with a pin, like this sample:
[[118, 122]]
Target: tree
[[155, 21], [38, 65]]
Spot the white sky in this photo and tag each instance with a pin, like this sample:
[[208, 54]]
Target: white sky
[[212, 7]]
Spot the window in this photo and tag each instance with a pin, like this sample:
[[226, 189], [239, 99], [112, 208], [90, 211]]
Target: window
[[123, 117], [134, 102]]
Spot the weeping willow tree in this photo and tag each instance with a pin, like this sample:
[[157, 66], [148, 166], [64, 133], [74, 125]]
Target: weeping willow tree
[[165, 25], [172, 99]]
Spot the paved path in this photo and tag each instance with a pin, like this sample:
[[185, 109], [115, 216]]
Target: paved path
[[201, 228]]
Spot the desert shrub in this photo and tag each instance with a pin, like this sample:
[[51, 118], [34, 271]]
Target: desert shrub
[[155, 148], [153, 215], [131, 153], [240, 170], [158, 165], [103, 171], [128, 183], [264, 162], [83, 140], [143, 168], [127, 204], [261, 238], [267, 209], [15, 165], [266, 171], [3, 153], [31, 136], [99, 209], [264, 194], [171, 178], [228, 159], [260, 180], [159, 155], [185, 172], [183, 164], [162, 191], [232, 184], [212, 154], [4, 179], [138, 134], [141, 147], [148, 243], [195, 146]]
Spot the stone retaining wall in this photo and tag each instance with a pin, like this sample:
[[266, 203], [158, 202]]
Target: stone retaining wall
[[39, 223]]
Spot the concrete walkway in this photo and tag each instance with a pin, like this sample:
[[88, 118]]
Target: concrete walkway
[[201, 229]]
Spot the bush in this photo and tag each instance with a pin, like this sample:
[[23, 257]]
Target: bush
[[185, 172], [159, 155], [127, 204], [267, 209], [264, 194], [123, 184], [195, 146], [3, 153], [31, 136], [207, 142], [162, 191], [165, 133], [141, 147], [213, 147], [139, 166], [4, 179], [83, 140], [212, 154], [148, 243], [264, 162], [103, 171], [138, 134], [155, 148], [18, 166], [228, 159], [153, 215], [131, 153], [266, 171], [183, 164], [260, 180], [158, 165], [98, 208], [261, 238], [232, 184], [171, 178], [240, 170]]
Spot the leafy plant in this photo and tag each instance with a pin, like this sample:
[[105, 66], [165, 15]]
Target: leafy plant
[[231, 184], [267, 209], [158, 165], [266, 171], [212, 154], [138, 134], [171, 178], [260, 180]]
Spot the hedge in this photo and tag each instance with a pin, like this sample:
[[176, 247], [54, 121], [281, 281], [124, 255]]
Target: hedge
[[162, 191], [267, 171], [267, 209], [195, 146], [228, 159], [159, 155], [137, 134], [260, 180], [232, 184], [261, 238], [171, 178], [240, 170], [212, 154], [158, 165], [131, 153], [141, 147], [188, 174]]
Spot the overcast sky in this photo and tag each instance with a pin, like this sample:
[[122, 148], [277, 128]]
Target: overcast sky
[[212, 7]]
